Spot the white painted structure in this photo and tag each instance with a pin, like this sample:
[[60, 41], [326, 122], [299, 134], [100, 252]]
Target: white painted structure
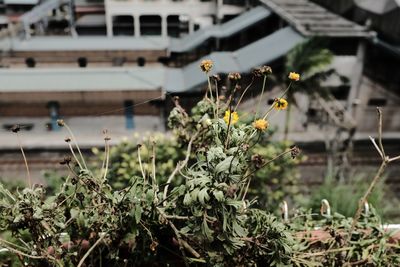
[[193, 11]]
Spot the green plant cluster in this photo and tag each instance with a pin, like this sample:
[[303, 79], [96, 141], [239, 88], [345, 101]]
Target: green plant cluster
[[197, 210]]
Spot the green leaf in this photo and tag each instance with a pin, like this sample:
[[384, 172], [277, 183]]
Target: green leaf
[[224, 165], [219, 195], [187, 200], [203, 196], [138, 213]]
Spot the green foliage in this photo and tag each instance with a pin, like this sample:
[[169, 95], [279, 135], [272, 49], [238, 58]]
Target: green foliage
[[184, 201], [343, 195]]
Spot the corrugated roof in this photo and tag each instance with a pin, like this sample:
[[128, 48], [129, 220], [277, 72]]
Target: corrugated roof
[[243, 60], [69, 80], [84, 43], [311, 19]]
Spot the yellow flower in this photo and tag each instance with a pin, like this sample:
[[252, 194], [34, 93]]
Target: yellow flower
[[294, 76], [234, 117], [206, 65], [260, 124], [280, 104]]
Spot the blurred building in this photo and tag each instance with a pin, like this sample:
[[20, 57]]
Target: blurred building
[[114, 64]]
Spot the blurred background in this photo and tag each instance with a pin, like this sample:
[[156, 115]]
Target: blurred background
[[116, 64]]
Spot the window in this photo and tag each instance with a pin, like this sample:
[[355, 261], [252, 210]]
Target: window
[[150, 25], [123, 25], [177, 25], [377, 102]]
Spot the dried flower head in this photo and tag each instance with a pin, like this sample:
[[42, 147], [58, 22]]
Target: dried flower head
[[294, 76], [66, 160], [257, 160], [153, 245], [216, 77], [280, 104], [67, 139], [234, 76], [15, 128], [257, 72], [231, 117], [260, 124], [206, 65], [266, 70], [60, 123], [295, 151]]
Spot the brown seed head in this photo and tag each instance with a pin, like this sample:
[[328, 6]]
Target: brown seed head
[[60, 123], [15, 128], [234, 76], [295, 151]]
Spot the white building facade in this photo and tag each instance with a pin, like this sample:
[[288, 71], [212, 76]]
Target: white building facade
[[161, 14]]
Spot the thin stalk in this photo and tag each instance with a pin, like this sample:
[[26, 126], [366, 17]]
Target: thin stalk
[[104, 159], [273, 104], [212, 97], [76, 144], [362, 201], [217, 97], [244, 92], [261, 96], [107, 149], [153, 163], [287, 123], [74, 155], [90, 250], [25, 161], [179, 166], [228, 129], [140, 164]]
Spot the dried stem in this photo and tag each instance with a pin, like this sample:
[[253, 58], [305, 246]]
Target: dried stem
[[261, 96], [180, 165], [140, 163], [262, 166], [76, 144], [385, 161], [91, 249], [28, 174], [74, 155], [244, 92], [107, 150]]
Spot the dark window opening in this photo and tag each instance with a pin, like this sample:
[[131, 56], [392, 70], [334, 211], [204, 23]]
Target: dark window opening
[[123, 25], [150, 25], [141, 61], [377, 102], [129, 112], [177, 25], [341, 92], [82, 62], [30, 62]]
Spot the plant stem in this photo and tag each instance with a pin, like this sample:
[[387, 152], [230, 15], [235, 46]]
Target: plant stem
[[140, 164], [179, 166], [75, 157], [107, 149], [244, 92], [25, 161], [261, 96], [362, 201], [287, 123], [265, 164], [76, 144], [91, 249]]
